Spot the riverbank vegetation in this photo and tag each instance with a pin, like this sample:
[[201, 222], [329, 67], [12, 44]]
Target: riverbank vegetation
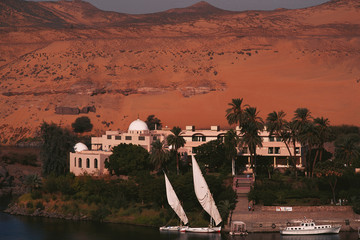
[[329, 155], [331, 179], [139, 199], [134, 192]]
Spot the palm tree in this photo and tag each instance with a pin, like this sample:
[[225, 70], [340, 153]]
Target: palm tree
[[250, 130], [293, 138], [224, 208], [235, 114], [231, 142], [347, 149], [33, 181], [176, 141], [323, 135], [158, 154], [279, 127], [308, 137], [302, 118]]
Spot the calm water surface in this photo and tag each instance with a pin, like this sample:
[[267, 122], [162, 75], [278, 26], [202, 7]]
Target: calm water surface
[[19, 228]]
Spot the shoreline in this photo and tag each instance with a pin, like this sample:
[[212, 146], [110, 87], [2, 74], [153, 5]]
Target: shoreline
[[268, 219], [255, 222]]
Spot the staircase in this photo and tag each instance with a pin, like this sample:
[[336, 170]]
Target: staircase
[[242, 185]]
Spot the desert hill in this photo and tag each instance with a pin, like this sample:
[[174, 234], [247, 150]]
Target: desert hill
[[183, 65]]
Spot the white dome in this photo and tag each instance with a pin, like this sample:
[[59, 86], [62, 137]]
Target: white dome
[[79, 147], [138, 125]]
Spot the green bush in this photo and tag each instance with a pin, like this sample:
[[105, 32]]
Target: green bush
[[40, 205], [82, 124], [36, 194], [29, 204], [268, 197], [100, 214], [50, 184]]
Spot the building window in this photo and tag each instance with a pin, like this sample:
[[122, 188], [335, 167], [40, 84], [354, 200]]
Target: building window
[[117, 137], [194, 150], [270, 150], [95, 163], [80, 163], [141, 138], [271, 139], [297, 150], [154, 138], [108, 136], [128, 137], [245, 150], [87, 163], [198, 138], [279, 139], [75, 162], [277, 150]]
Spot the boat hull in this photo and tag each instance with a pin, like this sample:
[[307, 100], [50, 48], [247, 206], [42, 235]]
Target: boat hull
[[204, 230], [238, 233], [173, 228], [332, 230]]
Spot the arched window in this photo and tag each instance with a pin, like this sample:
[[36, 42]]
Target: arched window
[[87, 163], [198, 138], [80, 163], [75, 162], [95, 163]]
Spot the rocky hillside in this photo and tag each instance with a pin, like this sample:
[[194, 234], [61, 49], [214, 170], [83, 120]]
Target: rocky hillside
[[183, 65]]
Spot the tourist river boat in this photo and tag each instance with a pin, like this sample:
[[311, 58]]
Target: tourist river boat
[[308, 227]]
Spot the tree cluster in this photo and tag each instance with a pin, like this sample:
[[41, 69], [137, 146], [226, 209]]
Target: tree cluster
[[54, 153], [128, 159]]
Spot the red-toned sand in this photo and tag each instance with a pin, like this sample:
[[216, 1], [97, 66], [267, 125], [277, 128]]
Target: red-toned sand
[[184, 70]]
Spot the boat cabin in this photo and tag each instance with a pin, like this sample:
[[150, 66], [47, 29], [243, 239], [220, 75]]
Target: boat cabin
[[238, 228], [308, 224]]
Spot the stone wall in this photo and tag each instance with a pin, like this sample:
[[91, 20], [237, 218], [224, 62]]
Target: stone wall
[[309, 208]]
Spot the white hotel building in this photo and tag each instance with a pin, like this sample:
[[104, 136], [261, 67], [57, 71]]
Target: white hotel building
[[93, 161]]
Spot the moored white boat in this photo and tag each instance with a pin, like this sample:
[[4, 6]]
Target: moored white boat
[[238, 228], [174, 228], [206, 200], [308, 227], [176, 206], [204, 229]]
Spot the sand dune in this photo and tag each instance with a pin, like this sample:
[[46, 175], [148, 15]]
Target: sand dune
[[183, 65]]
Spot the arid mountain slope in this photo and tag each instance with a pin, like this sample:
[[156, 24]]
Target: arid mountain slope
[[183, 65]]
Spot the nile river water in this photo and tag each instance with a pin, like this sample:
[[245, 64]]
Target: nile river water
[[34, 228]]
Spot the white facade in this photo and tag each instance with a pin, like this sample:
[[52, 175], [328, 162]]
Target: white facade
[[92, 161], [89, 162]]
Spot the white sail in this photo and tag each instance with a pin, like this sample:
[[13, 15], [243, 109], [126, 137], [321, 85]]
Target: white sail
[[203, 193], [174, 201]]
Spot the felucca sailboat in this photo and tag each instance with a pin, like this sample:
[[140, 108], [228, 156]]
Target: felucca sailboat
[[175, 204], [206, 200]]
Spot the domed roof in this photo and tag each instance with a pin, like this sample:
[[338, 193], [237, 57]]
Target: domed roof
[[138, 125], [79, 147]]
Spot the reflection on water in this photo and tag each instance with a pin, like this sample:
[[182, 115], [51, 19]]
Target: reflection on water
[[189, 236], [29, 228], [312, 237]]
